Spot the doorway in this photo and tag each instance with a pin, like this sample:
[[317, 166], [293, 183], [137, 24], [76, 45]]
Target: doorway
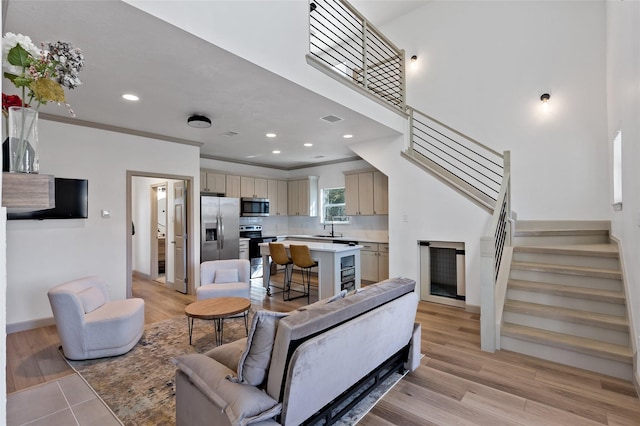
[[151, 230], [442, 272]]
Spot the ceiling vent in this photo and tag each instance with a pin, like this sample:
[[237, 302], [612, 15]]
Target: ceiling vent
[[230, 133], [331, 118]]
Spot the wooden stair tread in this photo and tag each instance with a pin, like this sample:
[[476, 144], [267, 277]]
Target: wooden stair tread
[[559, 232], [608, 296], [600, 250], [612, 322], [567, 269], [578, 344]]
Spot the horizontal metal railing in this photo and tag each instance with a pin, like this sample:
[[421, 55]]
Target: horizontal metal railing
[[466, 160], [345, 42]]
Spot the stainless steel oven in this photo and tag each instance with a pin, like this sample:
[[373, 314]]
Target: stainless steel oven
[[254, 233], [254, 207]]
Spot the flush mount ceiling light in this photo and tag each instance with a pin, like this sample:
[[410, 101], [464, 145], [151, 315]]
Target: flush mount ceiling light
[[347, 136], [275, 151], [270, 135], [544, 98], [308, 144], [199, 121], [130, 97]]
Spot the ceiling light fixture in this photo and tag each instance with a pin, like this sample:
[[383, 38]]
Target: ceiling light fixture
[[270, 135], [544, 98], [414, 58], [130, 97], [308, 144], [275, 151], [347, 136], [199, 121]]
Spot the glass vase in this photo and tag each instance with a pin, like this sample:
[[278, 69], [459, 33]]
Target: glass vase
[[23, 140]]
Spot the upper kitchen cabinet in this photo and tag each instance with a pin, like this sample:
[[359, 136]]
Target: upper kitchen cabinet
[[251, 187], [277, 193], [366, 193], [233, 186], [303, 197], [213, 182]]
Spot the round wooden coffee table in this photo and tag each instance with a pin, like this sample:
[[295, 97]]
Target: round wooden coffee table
[[217, 309]]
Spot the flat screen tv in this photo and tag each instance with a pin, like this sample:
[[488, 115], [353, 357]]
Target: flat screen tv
[[72, 202]]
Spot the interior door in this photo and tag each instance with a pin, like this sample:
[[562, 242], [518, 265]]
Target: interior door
[[180, 236]]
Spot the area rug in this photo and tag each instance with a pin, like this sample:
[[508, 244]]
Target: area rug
[[139, 386]]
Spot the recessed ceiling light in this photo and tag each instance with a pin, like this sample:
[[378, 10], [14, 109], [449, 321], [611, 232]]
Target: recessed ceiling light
[[308, 144], [130, 97], [270, 135], [275, 151], [347, 136]]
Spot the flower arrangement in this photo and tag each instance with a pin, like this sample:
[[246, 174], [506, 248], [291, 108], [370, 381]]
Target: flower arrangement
[[41, 74]]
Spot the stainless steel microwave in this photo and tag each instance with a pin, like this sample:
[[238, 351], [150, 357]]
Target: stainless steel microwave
[[254, 207]]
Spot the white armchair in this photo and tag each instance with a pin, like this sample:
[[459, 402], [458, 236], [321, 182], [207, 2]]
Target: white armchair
[[90, 326], [224, 278]]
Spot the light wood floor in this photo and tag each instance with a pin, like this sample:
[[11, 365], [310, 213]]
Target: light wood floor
[[455, 384]]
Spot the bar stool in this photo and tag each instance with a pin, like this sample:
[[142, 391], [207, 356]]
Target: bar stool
[[301, 257], [279, 256]]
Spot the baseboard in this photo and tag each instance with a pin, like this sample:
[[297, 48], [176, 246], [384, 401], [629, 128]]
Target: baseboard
[[29, 325], [474, 309], [636, 381]]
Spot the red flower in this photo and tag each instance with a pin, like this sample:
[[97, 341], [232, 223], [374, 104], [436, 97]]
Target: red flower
[[11, 100]]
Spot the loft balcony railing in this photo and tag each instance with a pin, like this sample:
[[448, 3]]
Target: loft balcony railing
[[344, 43]]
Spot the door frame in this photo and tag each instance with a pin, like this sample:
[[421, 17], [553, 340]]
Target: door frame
[[191, 222]]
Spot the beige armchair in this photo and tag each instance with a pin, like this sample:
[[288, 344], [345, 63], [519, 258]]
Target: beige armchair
[[224, 278], [89, 324]]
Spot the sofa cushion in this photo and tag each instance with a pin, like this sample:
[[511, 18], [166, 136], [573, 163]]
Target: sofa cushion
[[226, 276], [254, 361], [228, 354], [91, 298], [242, 404]]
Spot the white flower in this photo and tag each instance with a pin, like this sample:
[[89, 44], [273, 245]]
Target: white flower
[[11, 40]]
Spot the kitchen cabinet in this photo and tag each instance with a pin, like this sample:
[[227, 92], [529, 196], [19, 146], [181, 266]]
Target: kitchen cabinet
[[251, 187], [277, 193], [232, 186], [374, 261], [303, 197], [366, 193], [213, 182]]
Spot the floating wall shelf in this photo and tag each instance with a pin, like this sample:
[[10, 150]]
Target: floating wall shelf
[[28, 191]]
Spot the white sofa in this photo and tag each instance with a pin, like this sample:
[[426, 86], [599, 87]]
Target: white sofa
[[224, 278], [296, 367], [90, 326]]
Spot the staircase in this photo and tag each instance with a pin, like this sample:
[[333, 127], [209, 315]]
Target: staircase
[[565, 299]]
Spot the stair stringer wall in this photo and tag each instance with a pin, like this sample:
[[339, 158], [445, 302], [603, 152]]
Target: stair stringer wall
[[422, 208]]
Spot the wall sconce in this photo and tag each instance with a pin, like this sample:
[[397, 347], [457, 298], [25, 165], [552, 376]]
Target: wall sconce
[[414, 58], [544, 98]]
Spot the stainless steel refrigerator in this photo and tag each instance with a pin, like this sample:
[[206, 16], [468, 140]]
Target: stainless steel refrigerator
[[220, 228]]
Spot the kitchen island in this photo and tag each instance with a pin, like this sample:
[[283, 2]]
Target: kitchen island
[[338, 265]]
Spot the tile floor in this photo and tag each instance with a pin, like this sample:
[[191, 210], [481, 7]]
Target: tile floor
[[65, 401]]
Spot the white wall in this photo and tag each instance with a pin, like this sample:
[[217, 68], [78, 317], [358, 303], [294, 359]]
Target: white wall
[[482, 66], [42, 254], [623, 102]]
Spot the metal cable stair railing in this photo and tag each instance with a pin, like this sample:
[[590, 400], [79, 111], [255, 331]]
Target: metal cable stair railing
[[345, 46]]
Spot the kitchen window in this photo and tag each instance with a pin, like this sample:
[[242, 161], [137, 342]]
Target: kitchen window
[[333, 208]]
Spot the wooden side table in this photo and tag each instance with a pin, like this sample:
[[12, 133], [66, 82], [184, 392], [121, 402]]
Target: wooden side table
[[217, 309]]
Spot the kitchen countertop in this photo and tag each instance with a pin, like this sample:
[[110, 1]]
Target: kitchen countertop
[[313, 246], [336, 238]]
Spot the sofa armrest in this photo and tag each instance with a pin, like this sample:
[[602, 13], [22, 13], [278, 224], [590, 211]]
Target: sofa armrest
[[242, 404], [413, 361]]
